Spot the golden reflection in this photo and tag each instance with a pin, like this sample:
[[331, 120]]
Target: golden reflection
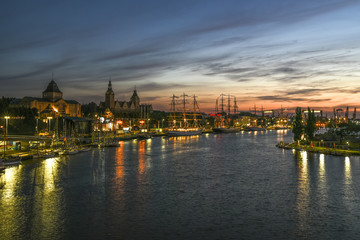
[[322, 183], [11, 176], [322, 160], [349, 193], [49, 202], [304, 159], [148, 145], [178, 142], [50, 171], [322, 167], [120, 161], [347, 171], [141, 157], [183, 139], [303, 199], [10, 200]]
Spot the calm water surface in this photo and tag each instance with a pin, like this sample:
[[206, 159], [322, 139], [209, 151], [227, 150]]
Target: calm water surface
[[223, 186]]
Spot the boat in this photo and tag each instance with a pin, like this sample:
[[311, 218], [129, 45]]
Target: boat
[[184, 132], [63, 152], [37, 156], [84, 150], [49, 155], [256, 129], [281, 128], [72, 152], [68, 152], [184, 122], [225, 130], [144, 136], [11, 161]]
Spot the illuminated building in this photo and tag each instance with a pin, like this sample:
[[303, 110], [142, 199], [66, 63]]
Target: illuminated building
[[51, 103]]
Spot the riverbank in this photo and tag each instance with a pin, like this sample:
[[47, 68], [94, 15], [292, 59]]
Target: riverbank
[[322, 150]]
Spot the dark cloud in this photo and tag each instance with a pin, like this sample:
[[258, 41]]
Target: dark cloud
[[285, 98], [132, 52], [229, 41], [41, 69], [308, 91], [218, 71], [39, 43], [152, 86], [287, 70], [149, 99]]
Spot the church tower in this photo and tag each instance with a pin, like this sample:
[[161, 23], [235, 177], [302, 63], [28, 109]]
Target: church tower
[[135, 100], [109, 97]]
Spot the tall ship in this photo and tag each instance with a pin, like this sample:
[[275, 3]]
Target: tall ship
[[225, 121], [185, 116], [256, 122]]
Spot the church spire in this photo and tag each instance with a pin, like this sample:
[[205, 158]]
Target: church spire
[[109, 85], [109, 97]]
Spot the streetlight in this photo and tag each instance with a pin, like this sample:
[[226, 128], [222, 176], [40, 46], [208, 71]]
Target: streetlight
[[4, 140], [6, 120], [49, 122], [37, 126]]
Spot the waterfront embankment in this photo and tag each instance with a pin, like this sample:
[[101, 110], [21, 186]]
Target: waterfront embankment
[[315, 149]]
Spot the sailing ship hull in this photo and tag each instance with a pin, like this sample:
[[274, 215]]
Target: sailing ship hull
[[183, 133], [225, 130]]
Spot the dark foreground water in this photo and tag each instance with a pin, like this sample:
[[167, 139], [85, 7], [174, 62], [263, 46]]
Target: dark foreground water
[[230, 186]]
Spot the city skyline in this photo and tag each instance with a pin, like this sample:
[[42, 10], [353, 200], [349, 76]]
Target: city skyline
[[269, 53]]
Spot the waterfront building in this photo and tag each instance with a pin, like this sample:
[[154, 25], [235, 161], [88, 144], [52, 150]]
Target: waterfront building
[[51, 104], [132, 107]]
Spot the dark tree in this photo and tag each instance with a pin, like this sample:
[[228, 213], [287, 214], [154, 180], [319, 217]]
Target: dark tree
[[298, 127], [90, 109], [310, 127]]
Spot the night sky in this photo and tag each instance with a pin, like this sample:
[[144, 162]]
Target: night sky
[[266, 52]]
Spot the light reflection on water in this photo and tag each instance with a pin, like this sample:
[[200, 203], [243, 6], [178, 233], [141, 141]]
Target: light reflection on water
[[204, 187], [141, 151], [347, 170], [303, 199], [349, 193], [322, 175], [120, 169]]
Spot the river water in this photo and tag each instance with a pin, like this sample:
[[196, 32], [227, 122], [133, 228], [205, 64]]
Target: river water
[[214, 186]]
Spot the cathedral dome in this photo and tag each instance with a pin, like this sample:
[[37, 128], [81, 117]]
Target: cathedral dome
[[52, 92]]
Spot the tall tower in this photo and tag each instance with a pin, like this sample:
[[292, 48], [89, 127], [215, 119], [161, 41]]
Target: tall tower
[[135, 100], [109, 97]]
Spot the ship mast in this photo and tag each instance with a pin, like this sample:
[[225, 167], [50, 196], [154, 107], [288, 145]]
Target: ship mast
[[173, 110], [184, 109], [235, 106], [228, 113]]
